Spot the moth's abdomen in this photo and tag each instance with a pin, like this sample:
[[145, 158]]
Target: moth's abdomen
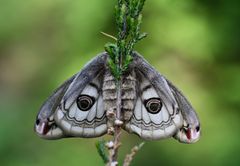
[[128, 94], [109, 92]]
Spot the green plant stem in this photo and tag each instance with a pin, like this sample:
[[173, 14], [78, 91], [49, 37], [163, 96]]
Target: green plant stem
[[128, 20]]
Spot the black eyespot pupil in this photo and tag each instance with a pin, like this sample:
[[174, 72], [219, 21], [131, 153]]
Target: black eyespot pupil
[[197, 128], [85, 102], [37, 122], [153, 105]]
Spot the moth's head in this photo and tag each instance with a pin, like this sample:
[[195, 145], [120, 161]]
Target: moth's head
[[45, 125], [189, 133]]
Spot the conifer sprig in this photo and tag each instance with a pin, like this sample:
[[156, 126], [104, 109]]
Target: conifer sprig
[[128, 20]]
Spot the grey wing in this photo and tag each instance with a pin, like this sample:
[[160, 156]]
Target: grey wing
[[156, 114], [78, 109], [45, 126], [190, 131]]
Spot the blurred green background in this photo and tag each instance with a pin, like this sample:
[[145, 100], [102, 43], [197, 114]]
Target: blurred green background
[[194, 43]]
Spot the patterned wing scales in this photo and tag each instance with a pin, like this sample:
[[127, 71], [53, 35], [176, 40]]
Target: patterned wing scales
[[156, 114], [153, 118], [76, 107], [76, 120]]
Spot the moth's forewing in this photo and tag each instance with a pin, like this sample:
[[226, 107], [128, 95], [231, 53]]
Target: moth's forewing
[[190, 131], [45, 125]]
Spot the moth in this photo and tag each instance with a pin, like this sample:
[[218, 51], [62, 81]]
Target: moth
[[152, 107]]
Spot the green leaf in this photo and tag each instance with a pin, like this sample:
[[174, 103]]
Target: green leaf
[[127, 62], [108, 35], [112, 50], [142, 36], [100, 145]]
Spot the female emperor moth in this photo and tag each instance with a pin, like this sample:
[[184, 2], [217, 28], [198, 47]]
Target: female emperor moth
[[152, 107]]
